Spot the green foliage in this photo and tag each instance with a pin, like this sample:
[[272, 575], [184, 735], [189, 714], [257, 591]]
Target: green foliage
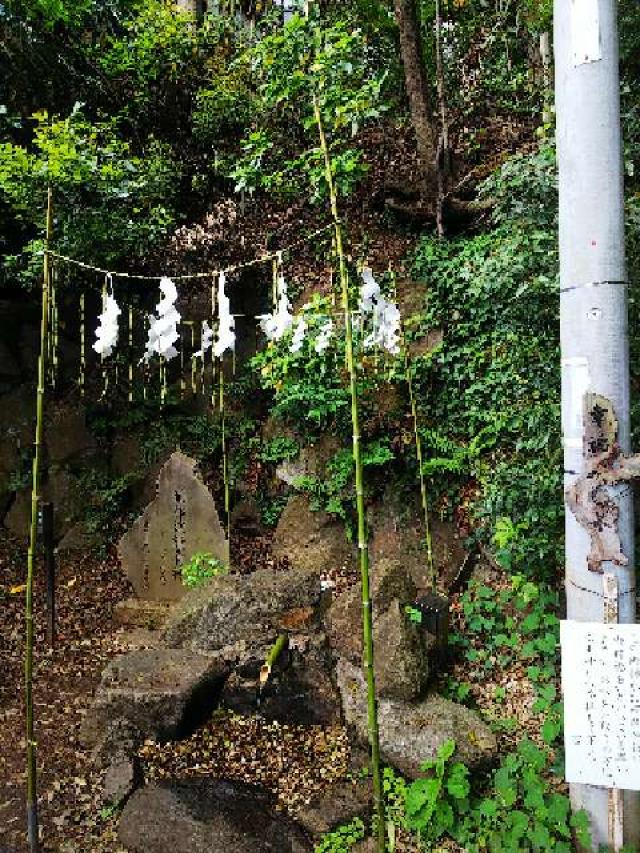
[[305, 58], [105, 500], [200, 569], [515, 624], [524, 811], [433, 803], [342, 839], [109, 202], [278, 450], [271, 508], [336, 492], [489, 396]]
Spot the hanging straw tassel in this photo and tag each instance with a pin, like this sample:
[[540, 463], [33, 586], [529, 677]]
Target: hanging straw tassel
[[363, 543], [83, 350], [130, 356]]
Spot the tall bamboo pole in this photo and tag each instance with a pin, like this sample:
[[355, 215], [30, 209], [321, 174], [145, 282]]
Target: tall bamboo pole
[[363, 540], [225, 461], [424, 497], [32, 793]]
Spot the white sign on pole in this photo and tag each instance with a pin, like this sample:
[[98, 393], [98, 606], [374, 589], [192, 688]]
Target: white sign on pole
[[601, 687], [585, 31]]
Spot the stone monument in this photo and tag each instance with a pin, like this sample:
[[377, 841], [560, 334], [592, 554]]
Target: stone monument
[[181, 521]]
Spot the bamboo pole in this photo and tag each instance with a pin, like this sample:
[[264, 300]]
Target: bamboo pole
[[225, 461], [363, 545], [424, 497], [32, 794]]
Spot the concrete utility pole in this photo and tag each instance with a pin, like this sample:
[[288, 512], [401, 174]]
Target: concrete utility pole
[[594, 338]]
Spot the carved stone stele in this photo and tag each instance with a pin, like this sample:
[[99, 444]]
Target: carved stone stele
[[181, 521]]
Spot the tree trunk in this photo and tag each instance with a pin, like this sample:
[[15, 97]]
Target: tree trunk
[[418, 94]]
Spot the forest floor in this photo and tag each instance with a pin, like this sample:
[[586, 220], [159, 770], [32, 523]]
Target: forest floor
[[292, 762]]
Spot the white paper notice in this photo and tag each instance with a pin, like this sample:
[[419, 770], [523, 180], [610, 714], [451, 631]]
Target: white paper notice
[[575, 374], [585, 31], [601, 687]]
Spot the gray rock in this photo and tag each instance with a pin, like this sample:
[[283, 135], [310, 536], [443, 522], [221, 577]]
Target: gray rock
[[401, 661], [338, 804], [64, 490], [299, 691], [126, 455], [206, 816], [159, 693], [133, 613], [121, 778], [67, 436], [247, 612], [411, 734], [181, 521], [397, 532], [311, 461], [78, 538], [311, 540]]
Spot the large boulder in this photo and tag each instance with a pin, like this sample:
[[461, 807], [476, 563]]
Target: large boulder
[[411, 734], [206, 816], [311, 540], [239, 612], [311, 461], [397, 532], [67, 436], [402, 648], [336, 805], [158, 693], [299, 691], [65, 492]]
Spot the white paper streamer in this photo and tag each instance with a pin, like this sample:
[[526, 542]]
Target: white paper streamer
[[384, 314], [325, 334], [163, 326], [276, 325], [298, 335], [108, 327], [226, 337], [206, 340]]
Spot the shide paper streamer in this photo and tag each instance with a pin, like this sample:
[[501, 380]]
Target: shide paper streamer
[[163, 326], [206, 341], [325, 334], [108, 326], [384, 314], [298, 335], [277, 324], [226, 337]]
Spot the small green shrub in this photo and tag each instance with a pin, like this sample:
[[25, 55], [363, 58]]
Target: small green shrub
[[434, 803], [201, 568], [342, 839]]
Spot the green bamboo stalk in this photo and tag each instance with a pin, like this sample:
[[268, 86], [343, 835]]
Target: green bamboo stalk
[[83, 354], [213, 355], [274, 653], [225, 461], [130, 356], [363, 543], [31, 758], [424, 497]]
